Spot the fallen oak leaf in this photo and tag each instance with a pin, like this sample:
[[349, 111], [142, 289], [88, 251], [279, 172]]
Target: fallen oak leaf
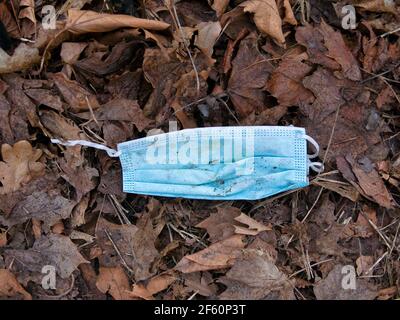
[[10, 287], [19, 165], [82, 21]]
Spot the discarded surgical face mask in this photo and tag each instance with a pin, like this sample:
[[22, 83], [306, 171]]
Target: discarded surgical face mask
[[219, 163]]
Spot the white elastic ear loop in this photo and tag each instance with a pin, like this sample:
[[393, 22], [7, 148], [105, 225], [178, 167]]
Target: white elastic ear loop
[[316, 166], [316, 147], [70, 143]]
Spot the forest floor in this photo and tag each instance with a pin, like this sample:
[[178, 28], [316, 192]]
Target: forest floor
[[110, 71]]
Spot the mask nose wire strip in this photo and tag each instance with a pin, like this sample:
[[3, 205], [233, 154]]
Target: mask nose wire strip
[[316, 166], [70, 143]]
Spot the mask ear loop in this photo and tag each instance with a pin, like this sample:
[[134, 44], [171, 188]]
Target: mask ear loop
[[70, 143], [316, 166]]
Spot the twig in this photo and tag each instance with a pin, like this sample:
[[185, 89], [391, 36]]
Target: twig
[[312, 265], [172, 9], [118, 252]]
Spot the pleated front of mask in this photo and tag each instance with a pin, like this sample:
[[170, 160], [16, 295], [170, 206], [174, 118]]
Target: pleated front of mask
[[217, 163]]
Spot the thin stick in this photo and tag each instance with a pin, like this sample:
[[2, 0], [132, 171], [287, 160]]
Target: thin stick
[[312, 265], [118, 252]]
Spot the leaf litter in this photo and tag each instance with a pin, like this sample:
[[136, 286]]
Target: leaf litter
[[112, 74]]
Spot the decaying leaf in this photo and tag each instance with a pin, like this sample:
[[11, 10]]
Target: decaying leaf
[[250, 71], [19, 166], [266, 17], [55, 250], [129, 245], [369, 180], [115, 282], [23, 58], [208, 33], [255, 276], [219, 255], [285, 83], [220, 6], [10, 288], [46, 207], [228, 221], [376, 5], [153, 286], [78, 98], [331, 288]]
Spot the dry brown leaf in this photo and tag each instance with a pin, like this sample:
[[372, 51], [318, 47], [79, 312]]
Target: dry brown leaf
[[362, 227], [61, 127], [219, 255], [371, 182], [23, 58], [250, 72], [78, 98], [338, 50], [345, 190], [153, 286], [70, 51], [220, 6], [3, 238], [82, 177], [82, 21], [42, 206], [55, 250], [208, 33], [266, 17], [120, 110], [10, 287], [364, 263], [285, 83], [27, 17], [228, 221], [7, 18], [19, 166], [115, 282], [331, 288], [289, 15], [45, 97], [376, 5], [135, 245], [388, 293], [255, 276]]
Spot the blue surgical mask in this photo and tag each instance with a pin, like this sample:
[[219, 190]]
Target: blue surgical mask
[[216, 163]]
